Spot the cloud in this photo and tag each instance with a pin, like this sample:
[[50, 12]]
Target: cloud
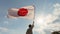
[[54, 27], [57, 5], [56, 9], [11, 31], [3, 29], [46, 21]]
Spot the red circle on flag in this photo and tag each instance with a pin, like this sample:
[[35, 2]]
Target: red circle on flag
[[22, 12]]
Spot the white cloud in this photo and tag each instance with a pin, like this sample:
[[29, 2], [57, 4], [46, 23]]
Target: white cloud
[[43, 21], [10, 31], [46, 22], [54, 27], [57, 5], [56, 9], [3, 29]]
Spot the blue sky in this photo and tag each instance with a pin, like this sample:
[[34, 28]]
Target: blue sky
[[47, 16]]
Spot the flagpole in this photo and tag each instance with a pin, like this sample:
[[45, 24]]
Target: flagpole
[[34, 13]]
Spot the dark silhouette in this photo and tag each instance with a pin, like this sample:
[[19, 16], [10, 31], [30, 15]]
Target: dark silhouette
[[56, 32], [29, 30]]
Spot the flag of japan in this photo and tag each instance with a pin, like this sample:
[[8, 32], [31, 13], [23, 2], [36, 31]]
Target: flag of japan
[[23, 12]]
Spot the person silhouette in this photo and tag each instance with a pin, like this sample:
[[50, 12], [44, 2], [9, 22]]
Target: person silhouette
[[29, 30]]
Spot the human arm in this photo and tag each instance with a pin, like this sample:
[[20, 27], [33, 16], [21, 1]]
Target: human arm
[[33, 24]]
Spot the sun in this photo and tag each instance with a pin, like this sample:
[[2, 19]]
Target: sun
[[40, 20]]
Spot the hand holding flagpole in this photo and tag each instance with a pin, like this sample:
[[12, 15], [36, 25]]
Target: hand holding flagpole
[[33, 22]]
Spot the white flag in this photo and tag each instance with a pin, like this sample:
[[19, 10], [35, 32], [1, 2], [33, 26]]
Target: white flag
[[23, 12]]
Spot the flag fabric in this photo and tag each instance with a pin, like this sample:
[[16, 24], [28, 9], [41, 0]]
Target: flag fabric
[[23, 12]]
